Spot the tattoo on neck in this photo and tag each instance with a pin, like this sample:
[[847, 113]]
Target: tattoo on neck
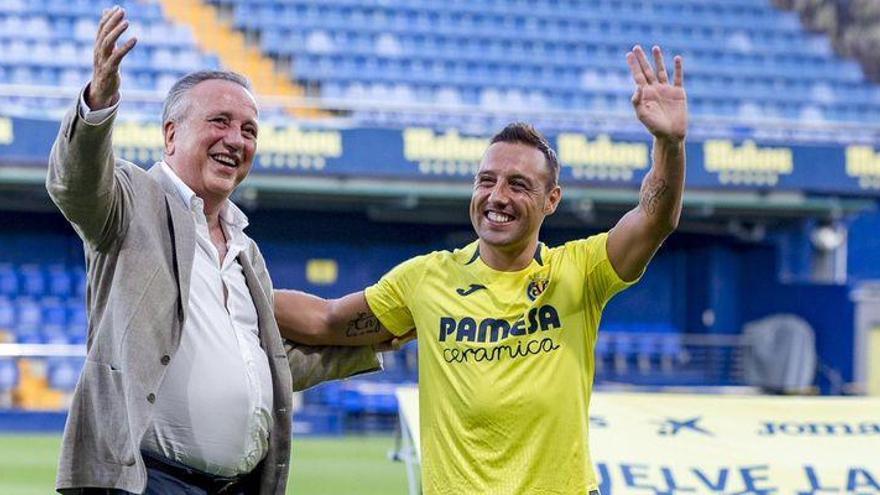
[[362, 325], [652, 192]]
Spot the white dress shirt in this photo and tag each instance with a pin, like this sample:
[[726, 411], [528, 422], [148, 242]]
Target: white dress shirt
[[213, 411]]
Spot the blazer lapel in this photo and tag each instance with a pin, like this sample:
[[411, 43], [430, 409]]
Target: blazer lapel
[[183, 230], [261, 301]]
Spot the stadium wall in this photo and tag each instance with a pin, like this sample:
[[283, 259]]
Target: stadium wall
[[864, 247], [698, 284]]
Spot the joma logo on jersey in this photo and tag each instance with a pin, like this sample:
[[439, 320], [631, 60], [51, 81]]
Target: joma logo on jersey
[[537, 286], [494, 329]]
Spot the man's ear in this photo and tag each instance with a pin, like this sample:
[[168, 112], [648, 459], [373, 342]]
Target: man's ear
[[168, 131], [553, 199]]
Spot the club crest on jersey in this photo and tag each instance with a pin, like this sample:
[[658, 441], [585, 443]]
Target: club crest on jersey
[[537, 286]]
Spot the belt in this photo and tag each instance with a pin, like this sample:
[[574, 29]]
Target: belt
[[212, 484]]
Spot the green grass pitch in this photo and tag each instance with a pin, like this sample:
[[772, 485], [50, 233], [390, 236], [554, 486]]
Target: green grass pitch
[[320, 466]]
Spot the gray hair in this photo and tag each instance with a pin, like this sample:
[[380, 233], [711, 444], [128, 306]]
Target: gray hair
[[175, 102]]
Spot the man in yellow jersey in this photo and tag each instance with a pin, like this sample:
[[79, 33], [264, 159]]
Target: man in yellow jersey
[[506, 325]]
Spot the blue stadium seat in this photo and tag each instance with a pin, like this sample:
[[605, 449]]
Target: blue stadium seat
[[63, 373], [54, 311], [8, 374], [54, 334], [59, 281], [8, 280], [7, 314], [29, 312], [28, 334], [33, 283]]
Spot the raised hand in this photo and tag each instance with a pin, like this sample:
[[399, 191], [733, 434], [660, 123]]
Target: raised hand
[[659, 105], [104, 87]]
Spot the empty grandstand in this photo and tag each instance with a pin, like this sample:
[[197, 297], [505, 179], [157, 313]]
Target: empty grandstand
[[374, 116]]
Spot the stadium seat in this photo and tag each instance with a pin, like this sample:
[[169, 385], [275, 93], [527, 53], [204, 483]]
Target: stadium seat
[[78, 279], [63, 373], [29, 312], [8, 374], [33, 283], [8, 280], [28, 334], [59, 281], [7, 314], [54, 334], [54, 312]]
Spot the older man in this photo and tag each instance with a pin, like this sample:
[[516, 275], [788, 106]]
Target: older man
[[187, 384]]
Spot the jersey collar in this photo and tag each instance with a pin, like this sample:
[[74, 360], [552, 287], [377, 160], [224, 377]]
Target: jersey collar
[[537, 256]]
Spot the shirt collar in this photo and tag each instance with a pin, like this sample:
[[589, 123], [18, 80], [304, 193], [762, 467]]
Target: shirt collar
[[183, 191], [230, 214]]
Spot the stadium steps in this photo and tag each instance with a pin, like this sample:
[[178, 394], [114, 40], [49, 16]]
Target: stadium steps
[[213, 34]]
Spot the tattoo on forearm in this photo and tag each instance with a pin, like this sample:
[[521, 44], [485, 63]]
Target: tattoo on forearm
[[362, 325], [652, 192]]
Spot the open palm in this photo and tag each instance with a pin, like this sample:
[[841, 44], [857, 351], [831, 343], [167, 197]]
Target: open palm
[[659, 105]]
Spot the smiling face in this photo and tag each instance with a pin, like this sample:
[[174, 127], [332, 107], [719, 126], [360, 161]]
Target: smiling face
[[512, 195], [212, 144]]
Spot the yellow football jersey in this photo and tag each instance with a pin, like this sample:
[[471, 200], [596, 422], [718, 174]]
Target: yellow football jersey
[[505, 365]]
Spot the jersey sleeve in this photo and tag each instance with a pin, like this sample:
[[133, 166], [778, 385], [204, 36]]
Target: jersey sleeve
[[601, 280], [388, 298]]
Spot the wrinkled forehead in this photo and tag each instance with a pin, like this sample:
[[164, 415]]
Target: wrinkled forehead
[[226, 96]]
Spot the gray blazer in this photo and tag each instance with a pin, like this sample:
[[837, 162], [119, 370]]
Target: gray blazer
[[139, 241]]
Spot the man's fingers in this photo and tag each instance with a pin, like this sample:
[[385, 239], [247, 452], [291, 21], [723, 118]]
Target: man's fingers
[[635, 69], [662, 75], [637, 96], [644, 64], [679, 71], [109, 42], [108, 23], [105, 16], [121, 52]]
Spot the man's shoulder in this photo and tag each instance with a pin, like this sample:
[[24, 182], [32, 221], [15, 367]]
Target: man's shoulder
[[423, 266], [444, 259], [145, 181], [592, 242], [419, 264]]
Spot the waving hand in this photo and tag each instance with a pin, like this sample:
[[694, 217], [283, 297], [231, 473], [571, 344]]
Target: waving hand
[[659, 105], [104, 87]]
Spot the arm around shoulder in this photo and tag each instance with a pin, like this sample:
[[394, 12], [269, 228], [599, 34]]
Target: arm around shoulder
[[312, 320], [311, 365], [327, 339]]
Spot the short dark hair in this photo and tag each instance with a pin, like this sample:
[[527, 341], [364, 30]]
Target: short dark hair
[[525, 133], [174, 106]]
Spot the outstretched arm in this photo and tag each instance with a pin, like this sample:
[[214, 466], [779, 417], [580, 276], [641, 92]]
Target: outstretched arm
[[662, 108], [312, 320], [81, 178]]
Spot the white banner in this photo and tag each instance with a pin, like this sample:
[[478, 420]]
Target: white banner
[[663, 444]]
